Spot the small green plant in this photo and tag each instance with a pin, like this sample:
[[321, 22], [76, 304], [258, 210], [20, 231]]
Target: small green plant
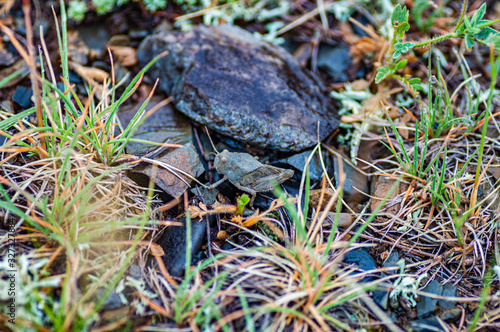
[[78, 8], [405, 287], [228, 11], [472, 30], [154, 5], [104, 6], [352, 103], [196, 304], [437, 120], [241, 202]]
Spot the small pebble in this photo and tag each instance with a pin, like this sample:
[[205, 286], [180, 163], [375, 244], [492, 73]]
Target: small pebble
[[22, 97], [345, 219]]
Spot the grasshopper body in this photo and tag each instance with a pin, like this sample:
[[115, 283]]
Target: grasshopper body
[[247, 173]]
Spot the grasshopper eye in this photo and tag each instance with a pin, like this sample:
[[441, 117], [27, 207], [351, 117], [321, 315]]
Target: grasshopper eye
[[224, 160]]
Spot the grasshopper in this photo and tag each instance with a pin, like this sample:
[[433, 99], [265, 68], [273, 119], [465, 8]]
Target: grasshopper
[[247, 173]]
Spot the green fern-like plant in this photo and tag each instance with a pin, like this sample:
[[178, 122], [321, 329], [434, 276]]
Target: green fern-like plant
[[473, 30]]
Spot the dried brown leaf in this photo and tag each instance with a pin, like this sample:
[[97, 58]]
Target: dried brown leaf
[[90, 74], [126, 55], [224, 208], [256, 217], [406, 118]]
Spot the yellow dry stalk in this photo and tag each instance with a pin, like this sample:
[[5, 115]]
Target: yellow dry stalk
[[202, 210], [5, 6], [256, 217]]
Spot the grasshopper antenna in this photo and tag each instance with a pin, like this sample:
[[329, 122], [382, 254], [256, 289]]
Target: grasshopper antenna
[[210, 138]]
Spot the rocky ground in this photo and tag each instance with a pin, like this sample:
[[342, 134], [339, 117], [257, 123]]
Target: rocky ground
[[268, 172]]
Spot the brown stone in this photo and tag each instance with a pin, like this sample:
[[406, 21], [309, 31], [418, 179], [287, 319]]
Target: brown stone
[[382, 189], [186, 159]]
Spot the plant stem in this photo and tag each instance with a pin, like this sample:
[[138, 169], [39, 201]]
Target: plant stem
[[482, 301], [462, 14], [494, 71], [189, 244], [449, 35], [454, 34], [484, 25]]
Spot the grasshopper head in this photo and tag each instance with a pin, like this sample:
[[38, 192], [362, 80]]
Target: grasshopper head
[[221, 161]]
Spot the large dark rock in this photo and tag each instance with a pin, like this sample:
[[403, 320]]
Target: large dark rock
[[173, 242], [242, 87]]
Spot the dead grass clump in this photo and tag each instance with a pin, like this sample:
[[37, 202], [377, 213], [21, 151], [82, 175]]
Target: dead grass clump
[[75, 215], [444, 213]]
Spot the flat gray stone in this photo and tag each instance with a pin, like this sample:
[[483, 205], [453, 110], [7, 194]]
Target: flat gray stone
[[449, 290], [166, 125], [427, 305]]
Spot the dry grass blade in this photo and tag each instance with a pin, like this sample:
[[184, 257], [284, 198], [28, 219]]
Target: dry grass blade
[[304, 18], [290, 284], [6, 5]]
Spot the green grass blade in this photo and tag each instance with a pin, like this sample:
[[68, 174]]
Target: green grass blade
[[400, 142], [10, 77], [13, 119], [244, 305]]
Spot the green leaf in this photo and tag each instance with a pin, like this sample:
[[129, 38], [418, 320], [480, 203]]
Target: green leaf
[[399, 15], [478, 15], [13, 119], [407, 46], [473, 31], [412, 83], [241, 202], [460, 30], [469, 42], [467, 22], [403, 47], [400, 29], [400, 64], [382, 73], [485, 33], [481, 22]]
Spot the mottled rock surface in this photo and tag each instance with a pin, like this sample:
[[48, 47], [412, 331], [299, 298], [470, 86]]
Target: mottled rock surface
[[165, 125], [242, 87]]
